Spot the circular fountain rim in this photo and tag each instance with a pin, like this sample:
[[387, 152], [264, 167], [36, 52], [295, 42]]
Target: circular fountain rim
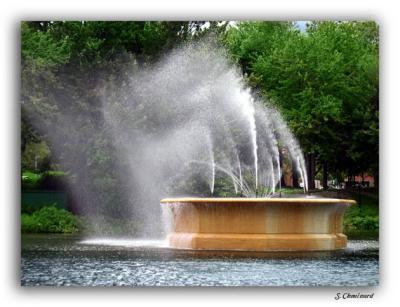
[[259, 200]]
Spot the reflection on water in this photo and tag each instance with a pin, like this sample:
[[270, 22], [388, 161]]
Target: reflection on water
[[68, 260], [124, 242]]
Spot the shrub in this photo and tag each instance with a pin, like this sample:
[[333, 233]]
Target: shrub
[[50, 220], [361, 223]]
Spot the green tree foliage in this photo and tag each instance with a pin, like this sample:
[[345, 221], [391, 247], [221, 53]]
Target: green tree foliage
[[63, 65], [42, 48], [250, 40], [324, 81]]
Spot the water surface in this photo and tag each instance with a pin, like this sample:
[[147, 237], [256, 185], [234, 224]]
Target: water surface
[[62, 260]]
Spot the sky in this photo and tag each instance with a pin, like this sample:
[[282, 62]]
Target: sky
[[301, 25]]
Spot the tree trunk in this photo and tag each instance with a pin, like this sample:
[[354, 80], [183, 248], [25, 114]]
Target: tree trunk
[[310, 164], [295, 177], [283, 183], [325, 175]]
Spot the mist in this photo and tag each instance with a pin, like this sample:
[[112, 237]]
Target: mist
[[187, 125]]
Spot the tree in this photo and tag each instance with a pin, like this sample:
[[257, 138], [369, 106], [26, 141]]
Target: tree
[[62, 66], [324, 81]]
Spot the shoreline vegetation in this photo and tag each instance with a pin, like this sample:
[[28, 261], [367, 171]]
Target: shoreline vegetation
[[361, 221]]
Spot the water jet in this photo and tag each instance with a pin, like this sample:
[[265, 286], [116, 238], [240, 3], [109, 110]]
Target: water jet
[[257, 224]]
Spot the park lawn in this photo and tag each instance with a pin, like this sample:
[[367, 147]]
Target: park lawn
[[31, 177], [32, 180], [290, 191]]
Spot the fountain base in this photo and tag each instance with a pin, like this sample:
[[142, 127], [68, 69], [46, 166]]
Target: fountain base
[[257, 224], [257, 242]]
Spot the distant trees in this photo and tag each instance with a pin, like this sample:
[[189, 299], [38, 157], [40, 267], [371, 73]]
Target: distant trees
[[324, 81]]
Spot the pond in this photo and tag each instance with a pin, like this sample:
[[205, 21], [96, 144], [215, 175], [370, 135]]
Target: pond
[[66, 260]]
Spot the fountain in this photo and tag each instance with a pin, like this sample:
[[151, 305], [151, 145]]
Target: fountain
[[257, 224], [192, 119], [220, 130], [190, 125]]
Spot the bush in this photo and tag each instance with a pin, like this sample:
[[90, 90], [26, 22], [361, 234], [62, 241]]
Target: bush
[[28, 209], [49, 220], [362, 223]]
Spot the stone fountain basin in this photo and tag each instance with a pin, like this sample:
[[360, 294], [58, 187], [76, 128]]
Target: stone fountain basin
[[257, 224]]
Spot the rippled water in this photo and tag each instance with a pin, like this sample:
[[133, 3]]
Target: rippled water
[[58, 260]]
